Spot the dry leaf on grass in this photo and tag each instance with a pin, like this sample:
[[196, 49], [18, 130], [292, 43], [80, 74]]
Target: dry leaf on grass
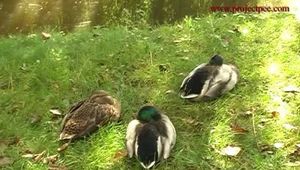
[[170, 92], [230, 150], [28, 155], [191, 121], [293, 164], [278, 145], [55, 112], [39, 156], [63, 147], [182, 39], [57, 167], [265, 148], [238, 129], [4, 161], [45, 35], [248, 112], [291, 89], [50, 159], [289, 126], [275, 114], [120, 154]]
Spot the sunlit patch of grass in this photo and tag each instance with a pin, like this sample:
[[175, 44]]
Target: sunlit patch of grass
[[105, 146]]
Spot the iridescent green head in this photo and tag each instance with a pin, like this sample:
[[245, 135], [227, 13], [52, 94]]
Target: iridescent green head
[[148, 113]]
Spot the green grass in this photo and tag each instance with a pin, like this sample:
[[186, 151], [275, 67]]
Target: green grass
[[37, 75]]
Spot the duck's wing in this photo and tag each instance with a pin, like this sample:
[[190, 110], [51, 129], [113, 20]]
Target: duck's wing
[[234, 78], [106, 113], [80, 123], [197, 81], [131, 137], [188, 77], [72, 109], [169, 141], [223, 81]]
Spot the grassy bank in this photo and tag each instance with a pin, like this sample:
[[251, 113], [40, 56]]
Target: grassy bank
[[139, 66]]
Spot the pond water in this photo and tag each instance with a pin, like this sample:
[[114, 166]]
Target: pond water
[[28, 15]]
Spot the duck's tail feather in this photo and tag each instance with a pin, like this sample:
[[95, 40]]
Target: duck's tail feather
[[190, 96]]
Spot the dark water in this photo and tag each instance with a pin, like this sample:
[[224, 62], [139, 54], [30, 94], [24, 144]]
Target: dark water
[[29, 15]]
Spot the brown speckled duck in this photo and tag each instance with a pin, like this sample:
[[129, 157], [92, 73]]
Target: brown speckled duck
[[86, 116]]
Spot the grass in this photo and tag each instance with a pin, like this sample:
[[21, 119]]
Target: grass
[[37, 75]]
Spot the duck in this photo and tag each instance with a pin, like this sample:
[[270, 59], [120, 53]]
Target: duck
[[150, 137], [209, 80], [86, 116]]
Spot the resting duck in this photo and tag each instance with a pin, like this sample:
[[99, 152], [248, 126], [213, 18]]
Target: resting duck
[[209, 80], [86, 116], [150, 137]]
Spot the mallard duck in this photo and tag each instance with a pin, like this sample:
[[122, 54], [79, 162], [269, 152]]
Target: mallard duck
[[86, 116], [209, 80], [150, 137]]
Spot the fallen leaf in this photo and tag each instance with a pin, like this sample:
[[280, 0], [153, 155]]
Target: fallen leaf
[[63, 147], [45, 161], [292, 164], [230, 150], [179, 40], [265, 148], [170, 91], [291, 89], [278, 145], [289, 126], [237, 129], [45, 35], [31, 35], [55, 112], [248, 112], [28, 155], [185, 58], [57, 167], [52, 159], [275, 114], [39, 156], [298, 145], [4, 161], [120, 154], [191, 121]]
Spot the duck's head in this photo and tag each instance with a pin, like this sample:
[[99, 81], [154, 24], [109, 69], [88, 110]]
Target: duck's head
[[101, 97], [148, 113], [216, 60]]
